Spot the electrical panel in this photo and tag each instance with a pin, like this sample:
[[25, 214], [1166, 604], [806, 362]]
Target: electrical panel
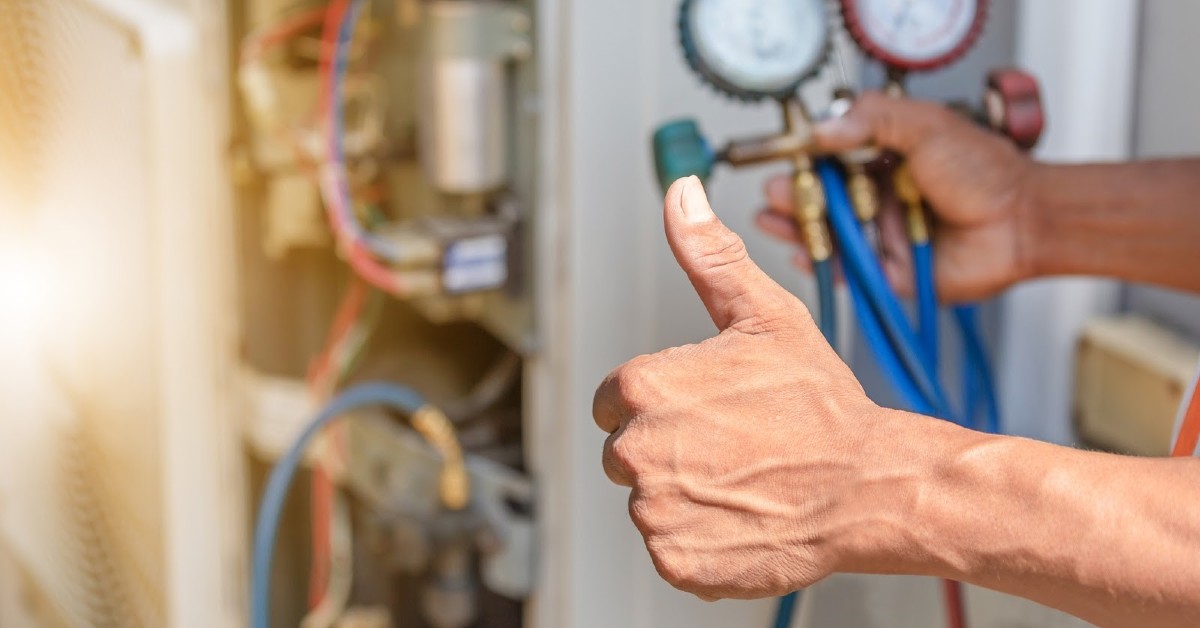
[[252, 206], [385, 172]]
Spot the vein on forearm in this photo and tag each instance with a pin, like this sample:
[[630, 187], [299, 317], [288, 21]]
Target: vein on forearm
[[1109, 538]]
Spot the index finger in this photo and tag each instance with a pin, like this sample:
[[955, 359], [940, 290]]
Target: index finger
[[608, 409], [876, 119]]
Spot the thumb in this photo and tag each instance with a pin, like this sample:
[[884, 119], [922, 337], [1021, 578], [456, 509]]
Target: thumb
[[736, 292], [876, 119]]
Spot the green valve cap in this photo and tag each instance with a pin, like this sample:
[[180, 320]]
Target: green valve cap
[[681, 151]]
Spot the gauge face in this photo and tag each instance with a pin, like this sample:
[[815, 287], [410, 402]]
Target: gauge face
[[755, 48], [915, 34]]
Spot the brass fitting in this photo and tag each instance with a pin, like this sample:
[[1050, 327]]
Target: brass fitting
[[807, 192], [810, 209], [862, 193], [454, 484], [907, 192]]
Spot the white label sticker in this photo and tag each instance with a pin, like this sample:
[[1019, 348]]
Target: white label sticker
[[476, 264]]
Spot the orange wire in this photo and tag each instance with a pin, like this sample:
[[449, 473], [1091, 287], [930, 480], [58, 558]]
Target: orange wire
[[1189, 431], [321, 384]]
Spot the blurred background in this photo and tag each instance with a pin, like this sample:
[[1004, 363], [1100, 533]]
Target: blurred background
[[215, 214]]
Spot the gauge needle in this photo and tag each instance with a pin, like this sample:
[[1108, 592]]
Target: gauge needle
[[761, 48]]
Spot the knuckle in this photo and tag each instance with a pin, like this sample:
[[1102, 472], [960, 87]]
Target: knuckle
[[726, 250], [634, 383], [650, 511], [615, 475], [668, 564], [624, 454], [640, 514], [887, 124], [611, 468], [680, 573]]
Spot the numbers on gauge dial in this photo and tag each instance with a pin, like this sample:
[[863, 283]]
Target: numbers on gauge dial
[[917, 31], [761, 46]]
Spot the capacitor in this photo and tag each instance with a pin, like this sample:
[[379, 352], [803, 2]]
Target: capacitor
[[467, 50]]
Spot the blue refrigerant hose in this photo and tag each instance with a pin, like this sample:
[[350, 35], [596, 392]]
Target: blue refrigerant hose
[[927, 303], [785, 610], [862, 266], [875, 338], [908, 359], [977, 372], [271, 507], [827, 321]]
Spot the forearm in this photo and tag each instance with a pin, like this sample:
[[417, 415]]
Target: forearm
[[1137, 222], [1108, 538]]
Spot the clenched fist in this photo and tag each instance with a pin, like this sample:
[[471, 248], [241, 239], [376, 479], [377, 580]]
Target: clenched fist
[[743, 450]]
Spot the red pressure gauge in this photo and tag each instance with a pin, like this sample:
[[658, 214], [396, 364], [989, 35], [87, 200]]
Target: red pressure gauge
[[915, 35]]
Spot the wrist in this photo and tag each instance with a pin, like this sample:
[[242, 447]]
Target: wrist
[[892, 522], [1029, 212]]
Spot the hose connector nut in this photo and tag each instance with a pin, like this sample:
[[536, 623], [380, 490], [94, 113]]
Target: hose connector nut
[[454, 484]]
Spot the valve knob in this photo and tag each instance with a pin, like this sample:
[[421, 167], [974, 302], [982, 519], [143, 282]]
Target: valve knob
[[680, 150], [1013, 106]]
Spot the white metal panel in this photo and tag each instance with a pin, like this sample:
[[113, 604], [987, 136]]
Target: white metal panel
[[1085, 54], [1168, 98], [130, 511]]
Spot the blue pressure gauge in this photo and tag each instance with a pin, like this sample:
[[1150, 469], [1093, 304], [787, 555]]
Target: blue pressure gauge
[[754, 49]]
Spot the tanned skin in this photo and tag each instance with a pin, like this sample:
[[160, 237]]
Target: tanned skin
[[758, 465]]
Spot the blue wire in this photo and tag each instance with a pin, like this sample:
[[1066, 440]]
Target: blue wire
[[978, 365], [376, 245], [271, 507], [859, 260], [927, 303]]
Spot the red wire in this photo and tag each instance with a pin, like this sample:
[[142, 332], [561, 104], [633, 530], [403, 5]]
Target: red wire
[[347, 313], [289, 27], [335, 11], [322, 515], [357, 253], [952, 591], [322, 486], [321, 384]]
